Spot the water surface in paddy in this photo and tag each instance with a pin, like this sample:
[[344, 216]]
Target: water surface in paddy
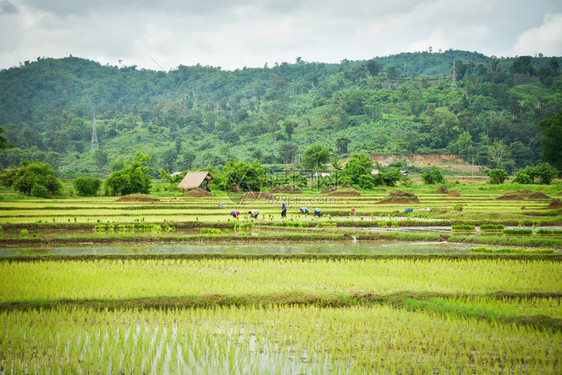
[[316, 247]]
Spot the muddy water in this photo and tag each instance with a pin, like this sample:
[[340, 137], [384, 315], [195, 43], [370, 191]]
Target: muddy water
[[331, 247]]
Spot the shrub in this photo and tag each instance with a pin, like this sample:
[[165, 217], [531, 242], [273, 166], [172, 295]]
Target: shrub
[[545, 172], [87, 186], [497, 176], [366, 181], [523, 178], [134, 178], [24, 233], [39, 191], [433, 175], [32, 175]]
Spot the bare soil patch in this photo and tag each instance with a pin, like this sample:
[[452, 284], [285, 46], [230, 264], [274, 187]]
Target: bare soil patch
[[400, 197], [441, 190], [198, 192], [521, 195], [344, 191], [137, 198], [555, 204], [453, 193], [331, 189]]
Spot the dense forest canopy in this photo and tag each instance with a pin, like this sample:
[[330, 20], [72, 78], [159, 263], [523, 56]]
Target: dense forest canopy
[[457, 102]]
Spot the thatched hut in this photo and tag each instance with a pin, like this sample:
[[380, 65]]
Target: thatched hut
[[194, 180]]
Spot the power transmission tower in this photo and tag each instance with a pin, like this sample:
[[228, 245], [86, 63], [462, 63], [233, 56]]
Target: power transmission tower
[[94, 145], [454, 78]]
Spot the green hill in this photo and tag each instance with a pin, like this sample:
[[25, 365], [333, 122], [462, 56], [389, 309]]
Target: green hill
[[193, 116]]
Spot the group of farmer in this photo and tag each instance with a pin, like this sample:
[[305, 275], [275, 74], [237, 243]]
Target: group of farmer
[[302, 210]]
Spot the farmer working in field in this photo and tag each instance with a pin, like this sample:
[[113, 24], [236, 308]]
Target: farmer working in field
[[283, 209], [235, 213], [254, 213], [317, 212], [303, 210]]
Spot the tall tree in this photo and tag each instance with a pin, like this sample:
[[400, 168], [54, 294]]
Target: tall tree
[[100, 158], [552, 144], [497, 152], [287, 152], [289, 128], [494, 63], [342, 143], [374, 68], [315, 156], [4, 141]]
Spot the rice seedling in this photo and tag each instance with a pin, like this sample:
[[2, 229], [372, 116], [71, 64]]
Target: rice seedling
[[492, 227], [486, 250], [549, 232], [377, 339], [518, 232], [135, 278], [463, 228], [210, 231]]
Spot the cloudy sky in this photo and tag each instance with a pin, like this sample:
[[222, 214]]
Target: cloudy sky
[[162, 34]]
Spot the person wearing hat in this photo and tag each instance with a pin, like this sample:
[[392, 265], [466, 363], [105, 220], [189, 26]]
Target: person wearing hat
[[317, 212], [283, 209], [303, 210]]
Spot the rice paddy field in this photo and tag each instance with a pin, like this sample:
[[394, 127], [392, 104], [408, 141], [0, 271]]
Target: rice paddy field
[[469, 284]]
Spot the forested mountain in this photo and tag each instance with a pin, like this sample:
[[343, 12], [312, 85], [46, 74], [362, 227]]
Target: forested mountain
[[485, 107]]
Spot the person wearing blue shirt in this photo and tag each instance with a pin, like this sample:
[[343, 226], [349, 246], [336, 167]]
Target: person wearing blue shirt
[[283, 209], [303, 210], [317, 212]]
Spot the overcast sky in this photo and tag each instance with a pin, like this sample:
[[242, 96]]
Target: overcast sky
[[162, 34]]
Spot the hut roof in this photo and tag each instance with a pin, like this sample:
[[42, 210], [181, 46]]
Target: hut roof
[[193, 180]]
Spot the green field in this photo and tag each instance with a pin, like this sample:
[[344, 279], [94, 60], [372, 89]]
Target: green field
[[374, 290], [295, 339]]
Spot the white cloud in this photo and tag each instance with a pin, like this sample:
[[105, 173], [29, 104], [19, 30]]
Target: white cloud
[[546, 39], [237, 33]]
